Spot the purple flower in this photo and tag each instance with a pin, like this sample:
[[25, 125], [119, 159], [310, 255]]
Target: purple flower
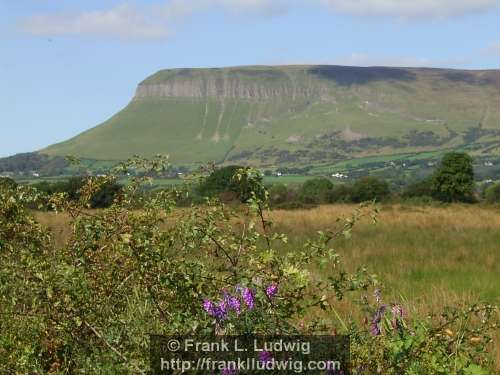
[[232, 302], [272, 290], [398, 314], [377, 319], [265, 357], [209, 307], [229, 371], [218, 311], [248, 298], [378, 295]]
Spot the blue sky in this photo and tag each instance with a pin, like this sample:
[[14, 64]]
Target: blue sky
[[66, 66]]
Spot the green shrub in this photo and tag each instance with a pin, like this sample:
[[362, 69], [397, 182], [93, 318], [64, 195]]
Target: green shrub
[[224, 180], [341, 194], [278, 194], [370, 188], [453, 181], [7, 182], [492, 193], [316, 191], [101, 198], [418, 189]]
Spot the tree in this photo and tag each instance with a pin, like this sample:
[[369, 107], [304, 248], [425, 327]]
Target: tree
[[225, 180], [7, 182], [453, 181], [316, 190], [370, 188], [492, 193], [418, 189], [278, 193]]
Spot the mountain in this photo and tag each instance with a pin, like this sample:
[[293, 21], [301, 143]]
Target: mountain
[[298, 115]]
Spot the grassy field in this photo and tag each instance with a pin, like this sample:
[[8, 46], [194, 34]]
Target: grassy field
[[427, 254], [426, 257]]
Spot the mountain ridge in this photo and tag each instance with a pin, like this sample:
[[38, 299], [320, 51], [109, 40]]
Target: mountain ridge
[[298, 115]]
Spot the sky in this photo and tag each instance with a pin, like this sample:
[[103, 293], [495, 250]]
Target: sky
[[68, 65]]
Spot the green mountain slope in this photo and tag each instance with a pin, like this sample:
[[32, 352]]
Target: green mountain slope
[[298, 115]]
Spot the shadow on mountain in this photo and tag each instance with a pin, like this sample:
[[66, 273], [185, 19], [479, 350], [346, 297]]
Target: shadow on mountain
[[347, 75], [472, 78]]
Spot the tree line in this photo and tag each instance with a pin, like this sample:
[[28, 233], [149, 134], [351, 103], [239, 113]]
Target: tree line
[[452, 181]]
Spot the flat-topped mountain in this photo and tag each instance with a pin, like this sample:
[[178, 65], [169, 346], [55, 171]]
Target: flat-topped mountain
[[298, 115]]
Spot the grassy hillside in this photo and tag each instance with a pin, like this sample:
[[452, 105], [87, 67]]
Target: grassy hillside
[[298, 115]]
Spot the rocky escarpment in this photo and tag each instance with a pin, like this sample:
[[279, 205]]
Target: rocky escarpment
[[230, 83]]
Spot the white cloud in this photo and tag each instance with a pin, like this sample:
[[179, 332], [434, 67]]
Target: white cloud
[[126, 22], [161, 20], [411, 8], [122, 21], [238, 7]]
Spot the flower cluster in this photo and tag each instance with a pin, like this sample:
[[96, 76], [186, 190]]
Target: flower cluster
[[230, 302], [272, 290], [242, 297], [398, 314]]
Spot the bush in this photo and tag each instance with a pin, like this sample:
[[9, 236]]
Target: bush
[[101, 198], [418, 189], [316, 191], [278, 194], [7, 182], [492, 193], [225, 180], [341, 194], [370, 188], [453, 181]]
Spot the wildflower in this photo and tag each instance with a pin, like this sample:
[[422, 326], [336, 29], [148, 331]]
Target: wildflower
[[233, 303], [272, 290], [265, 357], [398, 314], [249, 298], [209, 307], [378, 295], [218, 311], [229, 371], [377, 319]]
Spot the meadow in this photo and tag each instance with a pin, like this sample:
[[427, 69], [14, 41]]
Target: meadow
[[427, 256]]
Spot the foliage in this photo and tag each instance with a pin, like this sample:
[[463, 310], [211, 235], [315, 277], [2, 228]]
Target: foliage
[[370, 188], [492, 193], [278, 194], [7, 182], [453, 181], [418, 189], [341, 194], [102, 197], [316, 190], [223, 181], [87, 306]]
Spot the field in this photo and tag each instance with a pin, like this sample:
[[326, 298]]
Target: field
[[428, 255]]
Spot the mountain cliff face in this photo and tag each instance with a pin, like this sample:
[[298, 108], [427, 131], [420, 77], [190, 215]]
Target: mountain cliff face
[[298, 115], [251, 83]]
